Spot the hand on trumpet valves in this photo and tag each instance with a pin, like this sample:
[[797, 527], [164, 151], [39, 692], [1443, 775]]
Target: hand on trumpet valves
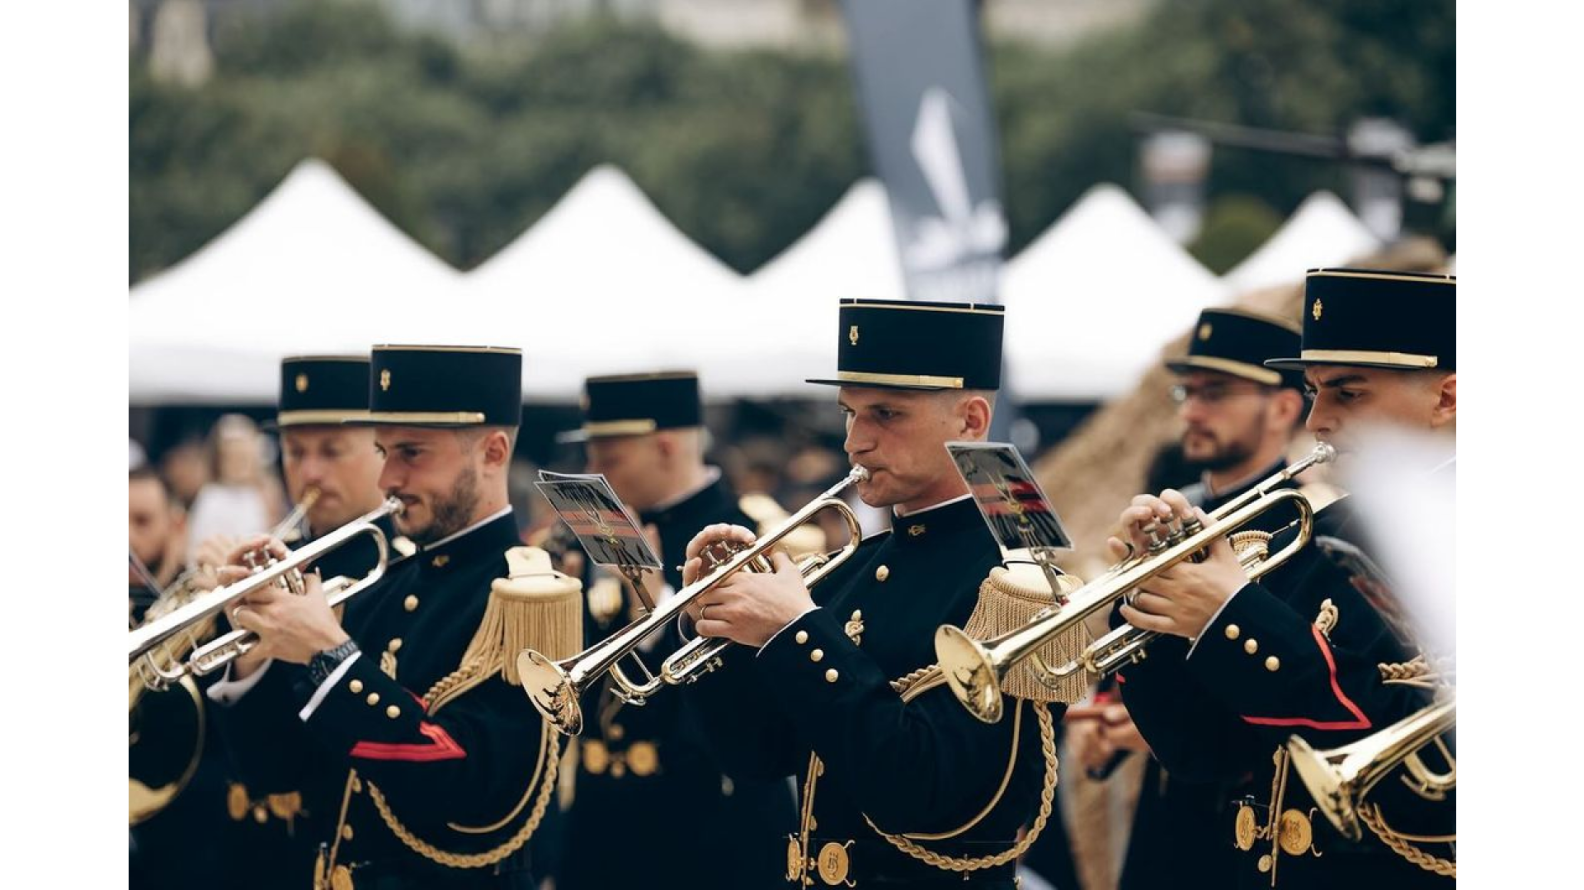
[[290, 627], [1184, 598], [749, 607]]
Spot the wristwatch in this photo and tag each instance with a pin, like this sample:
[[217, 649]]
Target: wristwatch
[[325, 661]]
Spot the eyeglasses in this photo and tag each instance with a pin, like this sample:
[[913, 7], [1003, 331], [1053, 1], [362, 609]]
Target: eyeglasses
[[1215, 393]]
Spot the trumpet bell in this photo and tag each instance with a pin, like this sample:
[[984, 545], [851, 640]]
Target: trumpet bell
[[551, 690], [970, 672]]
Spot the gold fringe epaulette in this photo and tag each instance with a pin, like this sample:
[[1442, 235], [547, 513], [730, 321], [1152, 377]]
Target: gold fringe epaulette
[[1009, 599], [533, 607]]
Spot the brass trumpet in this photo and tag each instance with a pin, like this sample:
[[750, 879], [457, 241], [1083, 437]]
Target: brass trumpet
[[555, 687], [975, 670], [223, 649], [1340, 778]]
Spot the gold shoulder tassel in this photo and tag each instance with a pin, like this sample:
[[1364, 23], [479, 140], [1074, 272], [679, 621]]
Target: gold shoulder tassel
[[535, 607], [1009, 599]]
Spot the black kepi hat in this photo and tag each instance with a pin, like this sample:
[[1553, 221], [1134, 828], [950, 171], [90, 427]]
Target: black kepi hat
[[1376, 319], [323, 390], [1239, 343], [638, 404], [445, 386], [902, 344]]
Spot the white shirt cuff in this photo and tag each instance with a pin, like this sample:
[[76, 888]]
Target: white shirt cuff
[[1209, 624], [227, 692], [784, 627], [326, 686]]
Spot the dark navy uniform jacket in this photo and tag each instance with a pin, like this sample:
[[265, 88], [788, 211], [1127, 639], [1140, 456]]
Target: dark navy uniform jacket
[[926, 766]]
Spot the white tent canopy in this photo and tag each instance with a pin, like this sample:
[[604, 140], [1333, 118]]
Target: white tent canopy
[[1091, 301], [850, 252], [605, 284], [1321, 232], [311, 269]]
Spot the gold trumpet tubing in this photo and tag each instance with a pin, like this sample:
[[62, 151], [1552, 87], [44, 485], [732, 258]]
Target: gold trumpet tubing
[[975, 669], [1125, 645], [1093, 597], [146, 638], [554, 687], [228, 647], [1340, 778], [701, 655]]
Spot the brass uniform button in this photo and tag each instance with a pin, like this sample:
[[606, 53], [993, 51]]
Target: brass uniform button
[[285, 806], [618, 769], [410, 603], [393, 645], [260, 815], [802, 637], [882, 573], [1265, 863], [596, 758], [356, 686], [1272, 664], [1294, 833], [237, 802], [616, 732], [1245, 828], [643, 759], [346, 832], [816, 655], [1232, 631], [831, 675], [833, 864], [440, 561], [794, 863], [373, 699], [1251, 645], [393, 712]]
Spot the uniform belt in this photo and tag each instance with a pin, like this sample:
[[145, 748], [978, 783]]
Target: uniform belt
[[875, 863]]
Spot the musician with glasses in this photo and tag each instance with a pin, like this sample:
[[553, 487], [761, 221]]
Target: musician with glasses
[[1314, 649], [900, 786], [1238, 419], [399, 721], [649, 768]]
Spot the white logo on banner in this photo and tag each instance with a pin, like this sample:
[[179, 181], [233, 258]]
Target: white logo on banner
[[962, 231]]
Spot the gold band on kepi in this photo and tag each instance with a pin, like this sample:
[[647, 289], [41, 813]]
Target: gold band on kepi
[[921, 380], [1377, 319], [1256, 373], [444, 386], [1361, 357], [328, 417], [322, 390], [899, 344]]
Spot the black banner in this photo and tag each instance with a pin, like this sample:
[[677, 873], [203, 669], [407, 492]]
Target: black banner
[[921, 84]]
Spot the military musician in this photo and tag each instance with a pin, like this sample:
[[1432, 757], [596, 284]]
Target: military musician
[[1312, 649], [900, 787]]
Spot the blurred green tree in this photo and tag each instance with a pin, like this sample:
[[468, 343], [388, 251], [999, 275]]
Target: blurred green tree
[[464, 147]]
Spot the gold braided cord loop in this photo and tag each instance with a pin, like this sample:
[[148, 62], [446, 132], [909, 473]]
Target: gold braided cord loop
[[552, 749], [1047, 799], [1400, 843], [447, 689]]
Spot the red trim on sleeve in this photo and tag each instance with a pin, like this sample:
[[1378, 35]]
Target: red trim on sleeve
[[442, 747], [1362, 722]]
